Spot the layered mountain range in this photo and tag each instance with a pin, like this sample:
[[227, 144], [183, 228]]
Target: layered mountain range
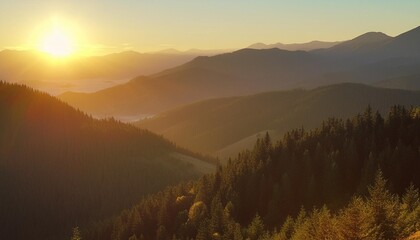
[[372, 58]]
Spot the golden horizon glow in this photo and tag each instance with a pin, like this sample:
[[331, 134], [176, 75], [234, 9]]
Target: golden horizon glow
[[147, 26]]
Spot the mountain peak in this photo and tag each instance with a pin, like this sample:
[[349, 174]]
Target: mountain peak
[[258, 45], [370, 37], [406, 44], [359, 44], [413, 34]]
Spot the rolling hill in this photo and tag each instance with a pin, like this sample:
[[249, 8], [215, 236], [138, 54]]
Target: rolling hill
[[369, 58], [150, 95], [411, 82], [226, 126], [59, 168]]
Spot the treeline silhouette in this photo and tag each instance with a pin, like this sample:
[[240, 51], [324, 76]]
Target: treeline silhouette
[[60, 168], [255, 194]]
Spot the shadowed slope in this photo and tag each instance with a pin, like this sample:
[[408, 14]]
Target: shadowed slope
[[60, 168]]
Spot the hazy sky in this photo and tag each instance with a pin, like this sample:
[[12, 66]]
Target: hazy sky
[[147, 25]]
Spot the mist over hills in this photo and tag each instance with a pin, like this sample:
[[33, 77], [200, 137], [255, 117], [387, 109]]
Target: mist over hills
[[411, 82], [368, 59], [60, 168], [226, 126], [91, 73], [150, 95]]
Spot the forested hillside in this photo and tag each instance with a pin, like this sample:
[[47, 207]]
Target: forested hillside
[[226, 126], [253, 195], [60, 168]]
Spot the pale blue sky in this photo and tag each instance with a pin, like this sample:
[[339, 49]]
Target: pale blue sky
[[146, 25]]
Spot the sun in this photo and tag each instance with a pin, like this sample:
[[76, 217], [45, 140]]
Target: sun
[[58, 43]]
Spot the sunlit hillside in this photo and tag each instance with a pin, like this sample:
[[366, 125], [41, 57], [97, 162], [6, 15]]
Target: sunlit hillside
[[326, 183], [226, 126]]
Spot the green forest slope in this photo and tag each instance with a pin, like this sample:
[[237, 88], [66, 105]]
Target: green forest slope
[[328, 169]]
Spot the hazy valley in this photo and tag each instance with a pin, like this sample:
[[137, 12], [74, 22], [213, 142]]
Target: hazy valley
[[83, 73]]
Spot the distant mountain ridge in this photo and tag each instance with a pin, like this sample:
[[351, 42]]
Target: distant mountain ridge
[[195, 51], [406, 44], [368, 59], [378, 46], [358, 45], [295, 46]]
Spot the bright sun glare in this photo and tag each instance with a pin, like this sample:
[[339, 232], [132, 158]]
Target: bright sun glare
[[57, 43]]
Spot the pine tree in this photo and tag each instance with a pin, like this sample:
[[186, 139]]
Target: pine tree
[[287, 229], [384, 209], [409, 219], [76, 234], [161, 233], [133, 237], [203, 231], [197, 212], [255, 228], [411, 199], [216, 216], [353, 221], [320, 225], [237, 233]]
